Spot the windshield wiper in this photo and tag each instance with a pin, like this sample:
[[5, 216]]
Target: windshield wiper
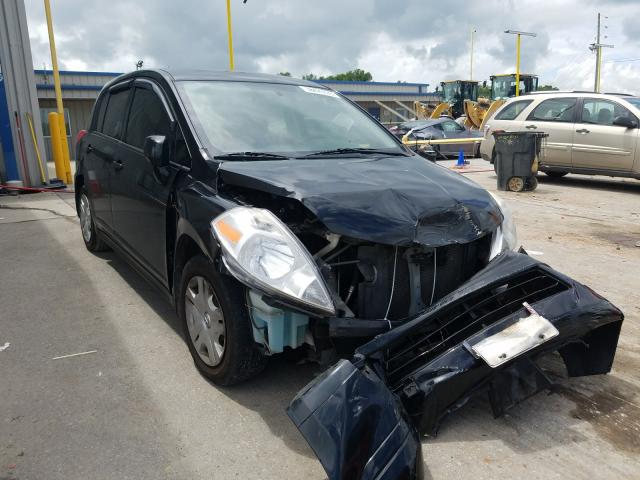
[[362, 151], [250, 156]]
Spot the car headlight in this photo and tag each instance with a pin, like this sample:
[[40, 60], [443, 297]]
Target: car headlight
[[260, 251], [505, 236]]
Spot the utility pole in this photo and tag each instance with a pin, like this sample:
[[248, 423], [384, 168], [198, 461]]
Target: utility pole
[[597, 47], [518, 33], [230, 35], [471, 56]]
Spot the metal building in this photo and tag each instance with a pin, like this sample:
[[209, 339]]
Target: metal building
[[20, 132], [387, 101], [79, 93]]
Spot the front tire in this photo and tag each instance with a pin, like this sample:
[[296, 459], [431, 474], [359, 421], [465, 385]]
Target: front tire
[[90, 233], [216, 324]]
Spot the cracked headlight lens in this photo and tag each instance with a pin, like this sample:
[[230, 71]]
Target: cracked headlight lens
[[260, 251], [505, 236]]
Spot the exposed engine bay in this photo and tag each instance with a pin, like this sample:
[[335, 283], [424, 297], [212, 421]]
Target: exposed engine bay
[[376, 285]]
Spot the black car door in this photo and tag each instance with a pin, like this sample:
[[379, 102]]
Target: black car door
[[102, 151], [139, 196]]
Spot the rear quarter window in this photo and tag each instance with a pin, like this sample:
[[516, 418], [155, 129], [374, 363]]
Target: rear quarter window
[[98, 112], [511, 111]]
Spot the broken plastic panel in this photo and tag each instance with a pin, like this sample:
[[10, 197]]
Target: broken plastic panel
[[425, 369]]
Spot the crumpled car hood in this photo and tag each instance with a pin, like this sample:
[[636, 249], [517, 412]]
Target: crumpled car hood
[[390, 200]]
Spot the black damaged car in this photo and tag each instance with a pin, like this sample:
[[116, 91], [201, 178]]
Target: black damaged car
[[277, 215]]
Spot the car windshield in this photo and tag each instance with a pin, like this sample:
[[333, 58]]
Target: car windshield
[[635, 101], [280, 118], [450, 91]]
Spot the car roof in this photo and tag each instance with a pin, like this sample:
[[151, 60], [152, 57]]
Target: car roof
[[215, 75], [564, 94], [576, 93]]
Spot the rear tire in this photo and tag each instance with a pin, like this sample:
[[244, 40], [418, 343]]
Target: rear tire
[[555, 174], [217, 328], [90, 234]]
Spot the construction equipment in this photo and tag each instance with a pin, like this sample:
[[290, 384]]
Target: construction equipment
[[502, 87], [460, 98], [454, 94]]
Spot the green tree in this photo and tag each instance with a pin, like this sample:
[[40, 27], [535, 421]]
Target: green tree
[[544, 88], [356, 75], [285, 74]]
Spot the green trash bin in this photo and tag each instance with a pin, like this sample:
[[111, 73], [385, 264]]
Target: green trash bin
[[516, 159]]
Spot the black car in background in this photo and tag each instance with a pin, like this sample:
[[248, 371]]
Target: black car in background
[[439, 128], [277, 215]]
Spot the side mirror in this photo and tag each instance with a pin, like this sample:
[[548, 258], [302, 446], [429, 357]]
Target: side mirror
[[155, 151], [624, 121]]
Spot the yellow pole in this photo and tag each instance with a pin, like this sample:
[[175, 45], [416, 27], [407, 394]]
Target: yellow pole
[[598, 67], [56, 148], [230, 35], [62, 129], [518, 66]]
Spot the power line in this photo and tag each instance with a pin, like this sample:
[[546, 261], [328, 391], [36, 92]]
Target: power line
[[622, 60]]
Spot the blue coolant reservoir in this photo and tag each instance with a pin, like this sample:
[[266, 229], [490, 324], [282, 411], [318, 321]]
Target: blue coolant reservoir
[[274, 327]]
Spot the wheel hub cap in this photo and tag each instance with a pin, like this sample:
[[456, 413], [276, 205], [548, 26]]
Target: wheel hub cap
[[205, 322], [85, 218]]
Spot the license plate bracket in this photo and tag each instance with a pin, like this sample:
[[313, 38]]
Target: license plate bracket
[[511, 337]]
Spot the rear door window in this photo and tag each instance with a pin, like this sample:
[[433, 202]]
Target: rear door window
[[511, 111], [603, 112], [147, 117], [115, 113], [555, 110]]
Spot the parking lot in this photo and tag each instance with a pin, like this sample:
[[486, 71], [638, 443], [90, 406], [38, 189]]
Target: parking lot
[[134, 406]]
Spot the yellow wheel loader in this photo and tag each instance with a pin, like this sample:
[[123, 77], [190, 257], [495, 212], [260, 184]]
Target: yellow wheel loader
[[502, 87]]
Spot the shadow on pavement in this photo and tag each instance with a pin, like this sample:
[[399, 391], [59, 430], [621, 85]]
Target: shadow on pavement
[[593, 182]]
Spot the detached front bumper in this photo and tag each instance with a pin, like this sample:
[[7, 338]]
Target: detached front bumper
[[363, 417]]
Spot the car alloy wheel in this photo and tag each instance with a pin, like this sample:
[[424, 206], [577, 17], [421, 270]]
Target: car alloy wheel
[[205, 321], [85, 218]]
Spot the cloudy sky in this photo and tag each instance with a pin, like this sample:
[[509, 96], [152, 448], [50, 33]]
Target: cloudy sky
[[408, 40]]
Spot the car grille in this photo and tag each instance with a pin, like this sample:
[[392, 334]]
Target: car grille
[[466, 316]]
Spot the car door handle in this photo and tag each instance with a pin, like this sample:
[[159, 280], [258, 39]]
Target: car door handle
[[583, 131], [531, 127], [118, 165]]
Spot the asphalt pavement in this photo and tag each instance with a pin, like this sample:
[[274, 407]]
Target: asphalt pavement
[[97, 382]]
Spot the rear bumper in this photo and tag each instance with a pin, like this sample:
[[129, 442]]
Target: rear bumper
[[363, 417]]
